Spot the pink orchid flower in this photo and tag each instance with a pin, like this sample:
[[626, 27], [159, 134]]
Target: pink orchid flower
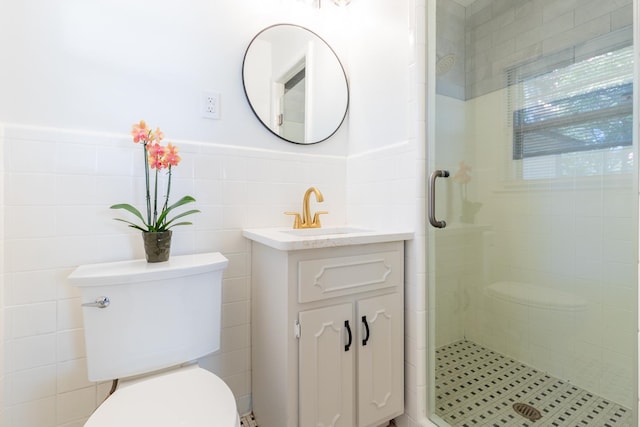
[[171, 157], [156, 153], [156, 135], [140, 132]]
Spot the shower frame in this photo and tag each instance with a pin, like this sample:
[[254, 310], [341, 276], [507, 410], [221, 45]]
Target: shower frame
[[426, 366]]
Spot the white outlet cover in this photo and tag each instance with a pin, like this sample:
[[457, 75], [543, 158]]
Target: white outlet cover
[[210, 105]]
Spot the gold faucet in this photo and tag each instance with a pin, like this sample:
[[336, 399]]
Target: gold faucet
[[305, 220]]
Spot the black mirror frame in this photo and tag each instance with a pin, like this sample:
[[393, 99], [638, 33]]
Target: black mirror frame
[[244, 86]]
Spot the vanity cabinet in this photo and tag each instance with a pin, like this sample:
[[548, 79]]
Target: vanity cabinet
[[333, 351], [327, 335]]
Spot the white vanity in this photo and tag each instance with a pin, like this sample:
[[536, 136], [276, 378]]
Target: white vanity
[[327, 319]]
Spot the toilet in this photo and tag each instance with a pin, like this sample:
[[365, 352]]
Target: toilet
[[146, 324]]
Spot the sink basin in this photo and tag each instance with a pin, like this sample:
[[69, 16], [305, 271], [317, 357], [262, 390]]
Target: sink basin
[[288, 239], [324, 231]]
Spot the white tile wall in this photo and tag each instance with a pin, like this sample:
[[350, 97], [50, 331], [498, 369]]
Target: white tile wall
[[59, 185]]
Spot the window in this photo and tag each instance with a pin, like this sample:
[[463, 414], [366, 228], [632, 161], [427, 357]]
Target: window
[[576, 120]]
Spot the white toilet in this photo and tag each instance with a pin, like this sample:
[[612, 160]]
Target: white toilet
[[145, 324]]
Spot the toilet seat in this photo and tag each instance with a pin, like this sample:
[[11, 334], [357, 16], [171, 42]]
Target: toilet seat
[[186, 397]]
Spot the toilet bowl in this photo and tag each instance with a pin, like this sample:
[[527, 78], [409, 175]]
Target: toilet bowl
[[146, 325], [189, 396]]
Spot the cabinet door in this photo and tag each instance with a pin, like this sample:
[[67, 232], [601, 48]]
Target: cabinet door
[[326, 367], [380, 359]]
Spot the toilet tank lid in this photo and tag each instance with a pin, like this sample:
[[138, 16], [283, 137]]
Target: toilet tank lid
[[140, 270], [186, 397]]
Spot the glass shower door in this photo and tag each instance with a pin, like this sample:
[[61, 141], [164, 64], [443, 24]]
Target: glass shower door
[[533, 280]]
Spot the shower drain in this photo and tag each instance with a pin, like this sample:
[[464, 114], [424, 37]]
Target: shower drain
[[527, 411]]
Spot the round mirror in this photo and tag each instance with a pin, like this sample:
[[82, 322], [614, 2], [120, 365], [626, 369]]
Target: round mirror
[[295, 84]]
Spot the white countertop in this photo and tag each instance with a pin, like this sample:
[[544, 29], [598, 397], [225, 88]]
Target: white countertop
[[288, 239]]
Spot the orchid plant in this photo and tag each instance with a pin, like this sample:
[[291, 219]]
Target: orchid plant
[[156, 157]]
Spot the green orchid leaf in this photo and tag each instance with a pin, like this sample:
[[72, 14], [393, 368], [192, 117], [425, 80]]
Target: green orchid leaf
[[131, 224], [183, 201], [181, 215], [129, 208], [180, 223]]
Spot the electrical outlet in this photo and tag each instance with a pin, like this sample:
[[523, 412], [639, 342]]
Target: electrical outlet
[[211, 105]]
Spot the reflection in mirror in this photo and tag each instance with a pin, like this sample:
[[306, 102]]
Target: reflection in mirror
[[295, 84], [291, 115]]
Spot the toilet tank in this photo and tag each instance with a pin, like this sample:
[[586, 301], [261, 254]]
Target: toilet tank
[[159, 314]]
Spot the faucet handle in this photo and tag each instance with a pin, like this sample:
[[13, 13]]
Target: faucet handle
[[316, 218], [296, 220]]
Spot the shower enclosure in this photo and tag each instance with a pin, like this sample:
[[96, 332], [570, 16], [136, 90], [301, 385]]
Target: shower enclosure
[[533, 168]]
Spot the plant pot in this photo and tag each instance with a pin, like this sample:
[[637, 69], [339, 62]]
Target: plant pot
[[157, 245]]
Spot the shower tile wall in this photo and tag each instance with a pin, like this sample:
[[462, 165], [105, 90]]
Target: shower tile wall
[[57, 217], [503, 33], [450, 49]]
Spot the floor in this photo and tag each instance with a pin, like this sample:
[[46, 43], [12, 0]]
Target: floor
[[248, 421], [478, 387]]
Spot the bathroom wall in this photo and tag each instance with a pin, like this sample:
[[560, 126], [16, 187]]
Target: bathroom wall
[[75, 76], [69, 63], [380, 37]]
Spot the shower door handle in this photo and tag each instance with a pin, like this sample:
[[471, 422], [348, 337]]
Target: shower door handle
[[432, 197]]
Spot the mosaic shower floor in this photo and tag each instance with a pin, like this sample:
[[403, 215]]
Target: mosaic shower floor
[[248, 421], [476, 386]]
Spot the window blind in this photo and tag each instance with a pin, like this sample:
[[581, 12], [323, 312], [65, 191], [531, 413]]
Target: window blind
[[584, 106]]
